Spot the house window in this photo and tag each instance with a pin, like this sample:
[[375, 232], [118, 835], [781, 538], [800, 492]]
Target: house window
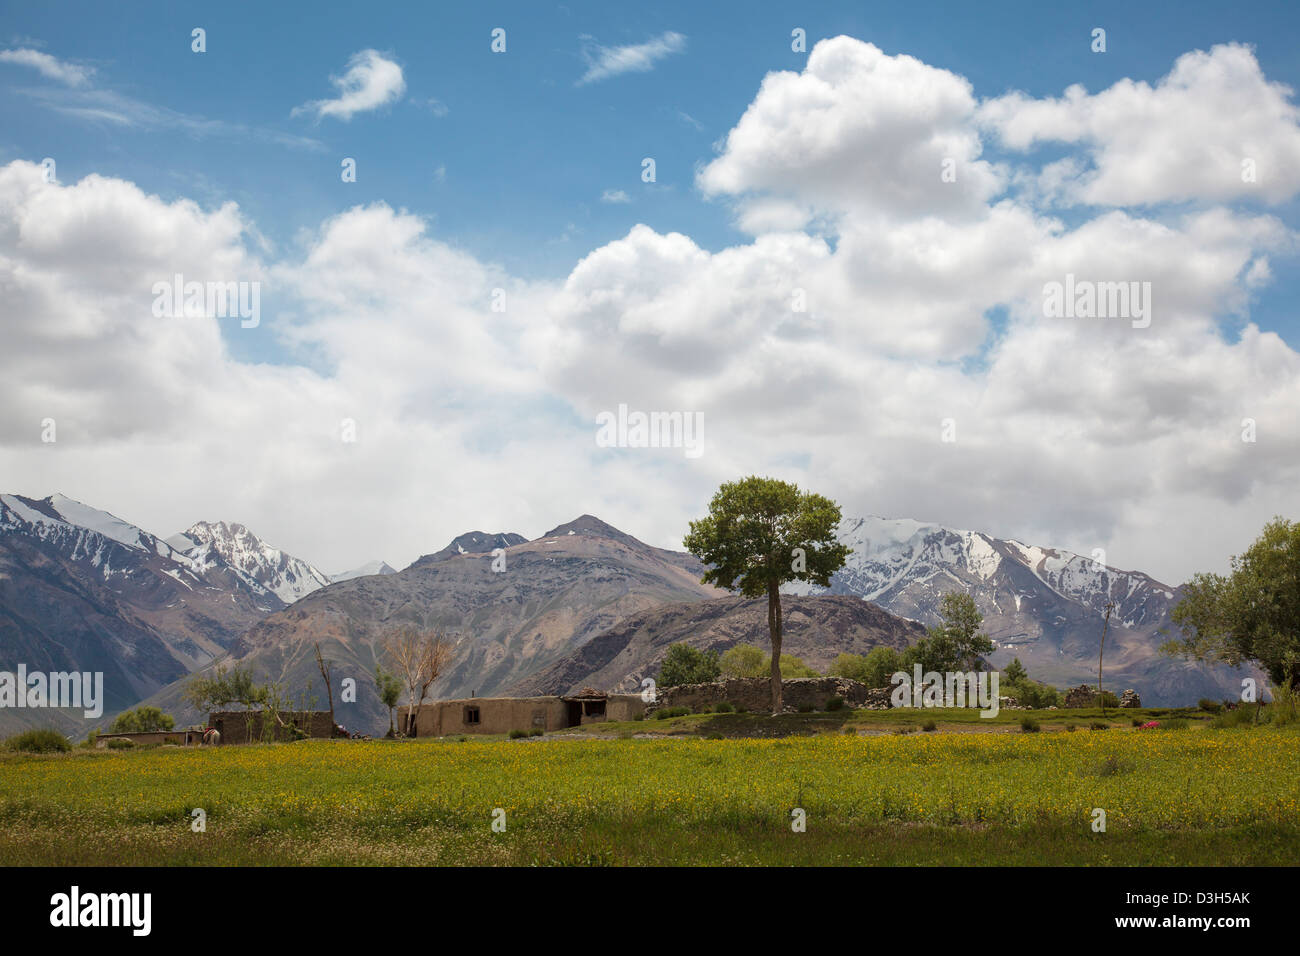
[[471, 716]]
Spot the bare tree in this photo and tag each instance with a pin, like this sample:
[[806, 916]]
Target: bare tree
[[1101, 697], [419, 658], [323, 664]]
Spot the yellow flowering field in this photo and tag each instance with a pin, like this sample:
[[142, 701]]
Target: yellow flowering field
[[676, 800]]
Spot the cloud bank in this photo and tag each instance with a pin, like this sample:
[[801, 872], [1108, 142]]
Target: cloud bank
[[887, 301]]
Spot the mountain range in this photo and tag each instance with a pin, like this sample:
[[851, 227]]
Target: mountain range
[[1043, 605], [81, 589], [583, 605]]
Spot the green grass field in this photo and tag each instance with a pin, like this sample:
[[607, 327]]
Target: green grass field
[[1194, 796]]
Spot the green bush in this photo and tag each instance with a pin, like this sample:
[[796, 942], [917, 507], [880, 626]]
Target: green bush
[[1029, 725], [684, 664], [744, 660], [517, 733], [806, 708], [1099, 725], [536, 732], [929, 726], [835, 703], [725, 708], [1210, 706], [663, 713], [874, 669], [1071, 728], [1033, 695], [1285, 708], [794, 667], [704, 709], [141, 720], [1138, 721], [42, 741]]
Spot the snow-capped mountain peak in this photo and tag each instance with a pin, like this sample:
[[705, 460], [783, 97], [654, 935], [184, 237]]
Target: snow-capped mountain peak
[[257, 562]]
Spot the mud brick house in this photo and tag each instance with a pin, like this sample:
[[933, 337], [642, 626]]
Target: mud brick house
[[234, 725], [500, 715]]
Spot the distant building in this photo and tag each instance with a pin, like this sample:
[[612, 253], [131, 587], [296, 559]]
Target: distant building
[[500, 715]]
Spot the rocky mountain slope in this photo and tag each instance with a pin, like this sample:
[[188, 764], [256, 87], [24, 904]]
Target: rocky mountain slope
[[816, 629], [83, 590], [1042, 605], [555, 593]]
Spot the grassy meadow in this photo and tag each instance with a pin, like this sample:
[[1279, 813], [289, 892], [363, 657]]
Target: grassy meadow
[[1189, 796]]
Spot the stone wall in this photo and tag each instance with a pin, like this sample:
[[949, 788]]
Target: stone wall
[[179, 738], [1085, 696], [234, 725], [755, 693]]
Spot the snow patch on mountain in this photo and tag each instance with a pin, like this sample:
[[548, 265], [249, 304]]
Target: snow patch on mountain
[[85, 533]]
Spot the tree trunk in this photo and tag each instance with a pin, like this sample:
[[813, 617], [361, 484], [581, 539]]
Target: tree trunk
[[774, 631]]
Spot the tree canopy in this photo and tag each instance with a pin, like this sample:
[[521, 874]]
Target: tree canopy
[[684, 664], [1253, 613]]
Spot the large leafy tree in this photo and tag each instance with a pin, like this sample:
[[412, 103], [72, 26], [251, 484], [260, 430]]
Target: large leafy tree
[[956, 643], [760, 533], [1253, 613]]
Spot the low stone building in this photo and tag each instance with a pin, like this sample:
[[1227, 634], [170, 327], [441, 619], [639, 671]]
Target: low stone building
[[235, 725], [501, 715]]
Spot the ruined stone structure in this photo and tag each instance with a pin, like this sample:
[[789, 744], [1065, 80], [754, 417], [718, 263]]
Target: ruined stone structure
[[501, 715]]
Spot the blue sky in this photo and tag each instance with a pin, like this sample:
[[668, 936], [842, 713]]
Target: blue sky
[[1079, 438], [525, 154]]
